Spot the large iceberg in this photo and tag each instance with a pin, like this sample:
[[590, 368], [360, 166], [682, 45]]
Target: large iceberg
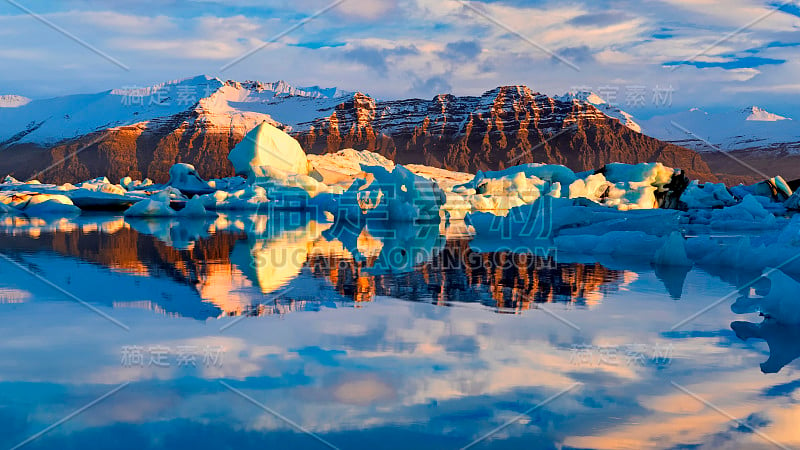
[[267, 152]]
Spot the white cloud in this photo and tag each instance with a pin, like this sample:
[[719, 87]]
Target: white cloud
[[195, 39]]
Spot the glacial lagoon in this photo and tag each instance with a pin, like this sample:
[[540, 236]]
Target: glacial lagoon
[[255, 331]]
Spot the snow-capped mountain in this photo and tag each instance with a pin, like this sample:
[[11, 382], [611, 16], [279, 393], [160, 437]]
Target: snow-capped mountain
[[142, 131], [750, 128], [51, 121], [607, 108]]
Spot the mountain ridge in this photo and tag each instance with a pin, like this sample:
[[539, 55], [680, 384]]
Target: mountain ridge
[[141, 132]]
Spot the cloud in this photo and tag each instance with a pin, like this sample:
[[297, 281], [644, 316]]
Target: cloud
[[601, 19], [578, 54], [431, 86], [773, 88], [372, 9], [461, 51], [410, 47], [376, 58]]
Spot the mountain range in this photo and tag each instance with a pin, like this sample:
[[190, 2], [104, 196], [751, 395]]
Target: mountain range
[[142, 131]]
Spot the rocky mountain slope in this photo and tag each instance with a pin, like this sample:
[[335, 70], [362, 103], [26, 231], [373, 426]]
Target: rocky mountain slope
[[142, 131]]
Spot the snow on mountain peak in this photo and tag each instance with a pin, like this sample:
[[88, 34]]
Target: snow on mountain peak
[[13, 101], [584, 96], [754, 113], [736, 129], [282, 88], [607, 108]]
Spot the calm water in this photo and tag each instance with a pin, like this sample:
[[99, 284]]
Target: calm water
[[258, 332]]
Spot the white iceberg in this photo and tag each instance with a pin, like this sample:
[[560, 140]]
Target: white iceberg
[[185, 178], [135, 185], [150, 208], [38, 204], [707, 195], [267, 152], [343, 166], [101, 185]]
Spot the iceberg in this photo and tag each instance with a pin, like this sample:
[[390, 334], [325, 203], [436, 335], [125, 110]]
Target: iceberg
[[194, 208], [268, 153], [185, 178], [342, 167], [101, 185], [135, 185], [38, 204], [707, 195], [776, 189], [150, 208], [673, 252], [246, 199], [400, 194]]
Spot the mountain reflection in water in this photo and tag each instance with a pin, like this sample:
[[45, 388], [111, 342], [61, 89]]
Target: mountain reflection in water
[[258, 265]]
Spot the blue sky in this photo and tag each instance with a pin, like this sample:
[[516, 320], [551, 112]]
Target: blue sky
[[629, 50]]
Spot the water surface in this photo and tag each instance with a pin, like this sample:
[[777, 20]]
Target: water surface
[[250, 332]]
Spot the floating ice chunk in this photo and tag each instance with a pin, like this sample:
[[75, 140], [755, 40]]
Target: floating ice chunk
[[673, 252], [227, 184], [341, 167], [185, 178], [649, 174], [749, 214], [783, 301], [638, 244], [267, 152], [400, 195], [539, 173], [135, 185], [635, 185], [790, 235], [167, 194], [775, 189], [47, 204], [150, 208], [86, 199], [247, 199], [625, 197], [102, 185], [38, 204], [793, 202], [592, 187], [194, 208], [708, 195]]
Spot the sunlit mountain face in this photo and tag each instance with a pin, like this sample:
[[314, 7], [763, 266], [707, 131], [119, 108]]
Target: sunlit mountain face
[[289, 330]]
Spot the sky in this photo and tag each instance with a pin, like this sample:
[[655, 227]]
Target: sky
[[648, 56]]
